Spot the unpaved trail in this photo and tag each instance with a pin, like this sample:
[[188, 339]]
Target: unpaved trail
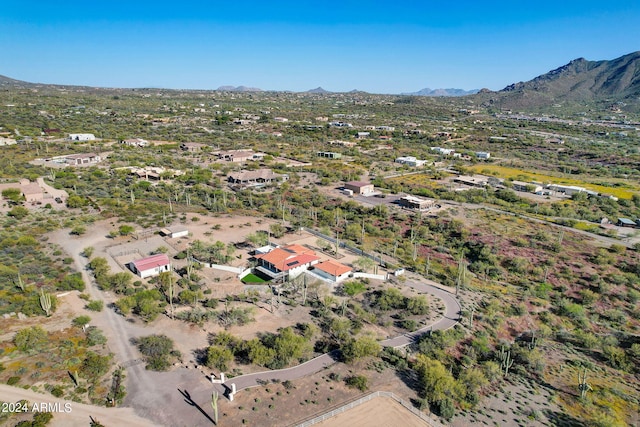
[[77, 414]]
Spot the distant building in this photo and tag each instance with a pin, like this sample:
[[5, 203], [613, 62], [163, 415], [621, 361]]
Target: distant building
[[483, 155], [328, 155], [82, 137], [83, 159], [192, 147], [341, 124], [363, 135], [135, 142], [151, 266], [444, 151], [526, 186], [7, 141], [255, 178], [238, 156], [358, 187], [175, 232], [412, 202], [567, 190], [32, 192], [626, 222], [472, 181], [410, 161]]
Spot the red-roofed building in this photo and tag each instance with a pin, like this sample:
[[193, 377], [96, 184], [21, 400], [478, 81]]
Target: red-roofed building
[[332, 270], [151, 266], [286, 262]]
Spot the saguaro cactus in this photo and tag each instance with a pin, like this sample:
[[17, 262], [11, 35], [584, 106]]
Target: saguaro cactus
[[214, 405], [20, 283], [45, 302], [583, 385], [506, 362]]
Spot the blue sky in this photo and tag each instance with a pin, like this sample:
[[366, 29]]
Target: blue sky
[[379, 47]]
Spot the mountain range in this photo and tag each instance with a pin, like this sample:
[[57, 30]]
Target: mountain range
[[579, 81], [443, 92]]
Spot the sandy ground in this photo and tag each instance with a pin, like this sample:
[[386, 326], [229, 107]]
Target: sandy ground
[[74, 414], [379, 412]]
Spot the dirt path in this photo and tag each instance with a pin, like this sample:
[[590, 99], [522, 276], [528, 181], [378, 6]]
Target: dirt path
[[77, 414]]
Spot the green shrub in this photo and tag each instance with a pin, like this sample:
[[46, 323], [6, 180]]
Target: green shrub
[[359, 382], [13, 380], [95, 305]]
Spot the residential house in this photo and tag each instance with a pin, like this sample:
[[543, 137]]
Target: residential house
[[472, 181], [444, 151], [150, 266], [82, 137], [412, 202], [328, 155], [410, 161], [286, 262], [255, 178], [31, 191], [238, 156], [192, 147], [135, 142], [83, 159], [483, 155]]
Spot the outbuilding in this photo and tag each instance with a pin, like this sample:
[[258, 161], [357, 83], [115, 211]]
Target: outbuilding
[[151, 266], [358, 187]]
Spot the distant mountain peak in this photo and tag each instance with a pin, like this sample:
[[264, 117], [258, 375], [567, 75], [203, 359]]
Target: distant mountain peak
[[319, 89], [238, 89], [442, 92], [579, 80]]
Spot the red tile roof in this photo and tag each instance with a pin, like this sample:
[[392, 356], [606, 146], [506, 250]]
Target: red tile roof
[[333, 268], [153, 261], [287, 257]]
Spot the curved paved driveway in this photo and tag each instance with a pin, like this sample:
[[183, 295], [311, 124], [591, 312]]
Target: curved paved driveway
[[449, 319]]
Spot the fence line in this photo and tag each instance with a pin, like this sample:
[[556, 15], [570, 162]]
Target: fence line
[[356, 251], [360, 401]]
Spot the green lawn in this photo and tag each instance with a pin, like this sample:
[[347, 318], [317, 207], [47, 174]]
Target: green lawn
[[252, 278]]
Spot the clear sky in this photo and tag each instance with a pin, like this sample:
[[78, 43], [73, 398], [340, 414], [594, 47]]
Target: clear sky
[[379, 47]]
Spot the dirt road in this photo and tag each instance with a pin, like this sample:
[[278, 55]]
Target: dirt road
[[74, 414]]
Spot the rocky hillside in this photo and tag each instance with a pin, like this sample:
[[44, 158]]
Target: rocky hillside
[[579, 81]]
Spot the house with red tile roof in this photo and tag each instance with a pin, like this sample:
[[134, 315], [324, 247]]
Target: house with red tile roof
[[151, 266], [332, 270], [286, 262]]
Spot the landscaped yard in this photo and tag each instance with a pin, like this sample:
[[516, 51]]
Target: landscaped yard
[[252, 278]]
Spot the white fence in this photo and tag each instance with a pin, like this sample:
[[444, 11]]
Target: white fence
[[370, 276], [237, 270], [350, 405]]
